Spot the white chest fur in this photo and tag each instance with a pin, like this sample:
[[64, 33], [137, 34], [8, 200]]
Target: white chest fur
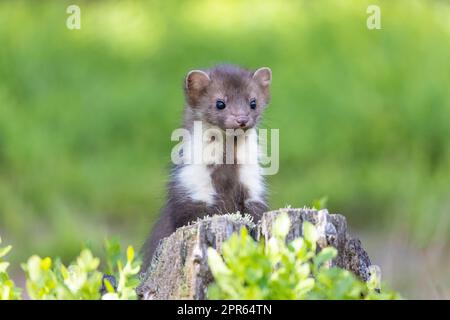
[[197, 182], [196, 178], [250, 172]]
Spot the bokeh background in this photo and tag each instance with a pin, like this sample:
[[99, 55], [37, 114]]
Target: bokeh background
[[86, 117]]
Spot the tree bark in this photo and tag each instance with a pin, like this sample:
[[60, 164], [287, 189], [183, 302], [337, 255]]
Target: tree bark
[[179, 269]]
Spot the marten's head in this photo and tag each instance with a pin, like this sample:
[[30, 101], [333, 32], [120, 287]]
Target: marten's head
[[227, 96]]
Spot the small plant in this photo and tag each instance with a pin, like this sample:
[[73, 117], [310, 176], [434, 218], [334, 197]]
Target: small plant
[[319, 204], [126, 275], [247, 270], [276, 270], [8, 290], [48, 279]]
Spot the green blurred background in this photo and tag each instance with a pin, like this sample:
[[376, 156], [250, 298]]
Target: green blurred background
[[86, 117]]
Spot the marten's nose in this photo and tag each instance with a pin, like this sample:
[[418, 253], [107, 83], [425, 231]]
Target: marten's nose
[[242, 120]]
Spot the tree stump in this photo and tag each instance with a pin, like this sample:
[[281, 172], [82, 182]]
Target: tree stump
[[179, 269]]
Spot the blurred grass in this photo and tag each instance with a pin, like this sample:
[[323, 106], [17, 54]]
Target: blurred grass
[[86, 115]]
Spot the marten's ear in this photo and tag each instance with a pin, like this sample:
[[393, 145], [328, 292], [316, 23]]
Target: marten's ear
[[263, 76], [196, 80]]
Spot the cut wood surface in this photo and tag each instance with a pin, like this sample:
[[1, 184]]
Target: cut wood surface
[[179, 269]]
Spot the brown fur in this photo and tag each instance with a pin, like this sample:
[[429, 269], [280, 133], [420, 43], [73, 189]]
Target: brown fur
[[236, 87]]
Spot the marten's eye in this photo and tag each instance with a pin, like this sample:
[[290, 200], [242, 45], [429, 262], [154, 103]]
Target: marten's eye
[[253, 104], [220, 104]]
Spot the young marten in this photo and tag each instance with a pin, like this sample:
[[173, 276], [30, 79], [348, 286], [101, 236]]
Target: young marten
[[223, 97]]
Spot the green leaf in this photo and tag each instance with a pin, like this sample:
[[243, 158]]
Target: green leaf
[[325, 255], [4, 251], [319, 204], [309, 232], [130, 254], [64, 272], [375, 278], [113, 254], [3, 266], [46, 263], [281, 226], [108, 286], [218, 267]]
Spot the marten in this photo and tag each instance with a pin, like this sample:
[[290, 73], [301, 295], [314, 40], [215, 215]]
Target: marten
[[224, 97]]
